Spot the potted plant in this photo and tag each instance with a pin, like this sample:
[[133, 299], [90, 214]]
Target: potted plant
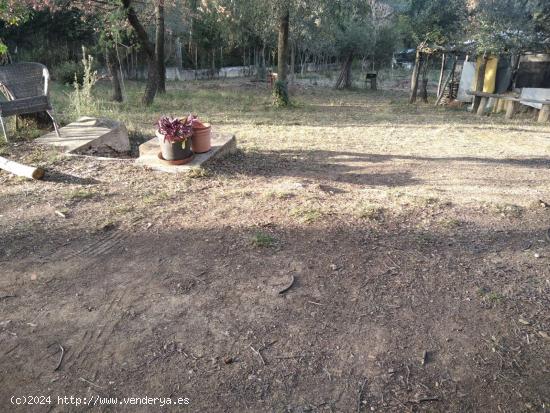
[[174, 137], [201, 141]]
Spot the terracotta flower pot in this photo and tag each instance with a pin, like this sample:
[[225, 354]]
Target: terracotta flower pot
[[201, 141], [174, 151]]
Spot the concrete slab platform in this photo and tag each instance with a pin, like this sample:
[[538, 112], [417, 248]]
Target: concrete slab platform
[[221, 146], [87, 134]]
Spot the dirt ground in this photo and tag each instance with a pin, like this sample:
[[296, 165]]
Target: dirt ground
[[415, 242]]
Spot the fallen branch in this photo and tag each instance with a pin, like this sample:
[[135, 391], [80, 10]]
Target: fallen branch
[[90, 383], [60, 358], [20, 169], [425, 399], [7, 296], [361, 391], [259, 354], [297, 356]]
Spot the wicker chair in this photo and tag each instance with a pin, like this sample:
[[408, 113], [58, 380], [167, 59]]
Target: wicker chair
[[26, 87]]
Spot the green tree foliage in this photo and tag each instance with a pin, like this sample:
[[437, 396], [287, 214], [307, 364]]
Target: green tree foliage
[[540, 10], [432, 21], [510, 25]]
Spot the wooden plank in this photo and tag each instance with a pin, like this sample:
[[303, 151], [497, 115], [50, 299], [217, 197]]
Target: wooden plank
[[508, 97], [491, 95]]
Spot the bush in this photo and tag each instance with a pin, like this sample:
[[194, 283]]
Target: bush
[[65, 73], [82, 101]]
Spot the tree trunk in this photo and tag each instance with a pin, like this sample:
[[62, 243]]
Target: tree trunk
[[292, 61], [415, 76], [179, 57], [281, 86], [282, 46], [159, 46], [213, 63], [424, 90], [344, 79], [114, 68], [143, 39]]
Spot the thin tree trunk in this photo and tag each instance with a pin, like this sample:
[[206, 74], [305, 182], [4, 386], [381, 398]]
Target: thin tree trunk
[[196, 57], [213, 62], [281, 86], [179, 57], [114, 69], [424, 90], [143, 39], [159, 46], [415, 76], [292, 60], [282, 46]]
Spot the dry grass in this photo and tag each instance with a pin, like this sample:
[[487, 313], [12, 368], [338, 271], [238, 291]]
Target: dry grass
[[373, 139]]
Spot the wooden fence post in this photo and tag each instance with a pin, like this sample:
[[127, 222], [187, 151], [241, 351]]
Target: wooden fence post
[[544, 113]]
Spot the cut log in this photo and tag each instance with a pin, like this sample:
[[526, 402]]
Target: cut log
[[20, 169]]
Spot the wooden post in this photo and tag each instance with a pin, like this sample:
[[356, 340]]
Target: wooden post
[[510, 109], [442, 90], [482, 105], [441, 73], [499, 107], [544, 113], [20, 169], [480, 81]]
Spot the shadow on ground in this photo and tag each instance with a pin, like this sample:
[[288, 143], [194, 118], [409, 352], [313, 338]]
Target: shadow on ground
[[204, 320]]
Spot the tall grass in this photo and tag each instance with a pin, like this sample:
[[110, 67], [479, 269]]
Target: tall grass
[[82, 100]]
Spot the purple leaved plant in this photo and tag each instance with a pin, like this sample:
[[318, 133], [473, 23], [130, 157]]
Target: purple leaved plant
[[174, 129]]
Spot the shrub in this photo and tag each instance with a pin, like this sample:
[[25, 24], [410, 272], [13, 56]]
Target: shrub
[[67, 72], [81, 98]]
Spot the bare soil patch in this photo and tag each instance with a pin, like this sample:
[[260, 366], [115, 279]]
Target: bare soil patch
[[415, 237]]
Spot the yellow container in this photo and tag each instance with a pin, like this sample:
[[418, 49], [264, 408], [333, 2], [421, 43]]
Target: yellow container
[[489, 82]]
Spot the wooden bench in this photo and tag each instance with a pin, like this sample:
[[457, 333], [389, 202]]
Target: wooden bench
[[513, 101]]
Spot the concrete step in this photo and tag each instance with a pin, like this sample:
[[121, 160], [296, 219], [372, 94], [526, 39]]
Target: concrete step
[[87, 134], [222, 144]]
